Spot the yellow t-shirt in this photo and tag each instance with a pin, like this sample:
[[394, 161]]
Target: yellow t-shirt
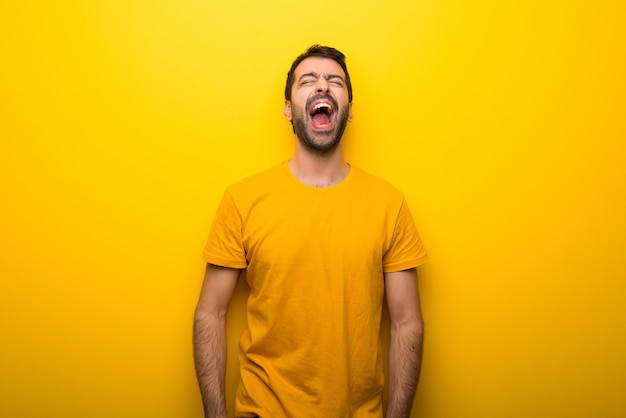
[[315, 259]]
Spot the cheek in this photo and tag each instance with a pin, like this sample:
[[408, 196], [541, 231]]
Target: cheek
[[299, 112]]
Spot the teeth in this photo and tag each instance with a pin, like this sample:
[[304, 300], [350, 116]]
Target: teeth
[[321, 105]]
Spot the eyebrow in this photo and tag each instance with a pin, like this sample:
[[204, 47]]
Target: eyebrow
[[316, 75]]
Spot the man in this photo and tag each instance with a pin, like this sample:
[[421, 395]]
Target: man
[[323, 242]]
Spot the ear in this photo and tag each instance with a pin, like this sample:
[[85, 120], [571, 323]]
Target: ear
[[287, 110], [350, 112]]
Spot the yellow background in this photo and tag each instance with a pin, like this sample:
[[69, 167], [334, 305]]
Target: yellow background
[[502, 121]]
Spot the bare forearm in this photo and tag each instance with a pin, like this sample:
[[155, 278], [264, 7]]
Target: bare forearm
[[405, 359], [210, 358]]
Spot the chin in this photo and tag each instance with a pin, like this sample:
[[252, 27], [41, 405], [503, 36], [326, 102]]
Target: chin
[[319, 147]]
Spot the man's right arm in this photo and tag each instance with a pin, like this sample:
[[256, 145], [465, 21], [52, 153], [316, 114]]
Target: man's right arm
[[209, 337]]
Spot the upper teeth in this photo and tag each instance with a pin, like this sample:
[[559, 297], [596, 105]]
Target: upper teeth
[[320, 105]]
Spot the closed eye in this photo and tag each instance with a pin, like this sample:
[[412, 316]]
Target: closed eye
[[335, 79], [308, 78]]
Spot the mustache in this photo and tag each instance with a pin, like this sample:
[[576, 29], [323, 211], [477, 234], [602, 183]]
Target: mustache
[[322, 97]]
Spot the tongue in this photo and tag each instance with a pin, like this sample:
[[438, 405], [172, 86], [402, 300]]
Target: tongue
[[321, 119]]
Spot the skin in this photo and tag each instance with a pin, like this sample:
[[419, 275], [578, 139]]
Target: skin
[[319, 80], [209, 337], [406, 341], [318, 161], [325, 165]]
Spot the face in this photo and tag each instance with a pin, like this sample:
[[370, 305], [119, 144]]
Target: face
[[319, 107]]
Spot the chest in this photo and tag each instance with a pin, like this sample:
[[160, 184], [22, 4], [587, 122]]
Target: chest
[[333, 227], [330, 246]]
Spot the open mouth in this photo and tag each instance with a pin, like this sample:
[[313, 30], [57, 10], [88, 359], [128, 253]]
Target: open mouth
[[322, 114]]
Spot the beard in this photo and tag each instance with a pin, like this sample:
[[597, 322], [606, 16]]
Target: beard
[[320, 142]]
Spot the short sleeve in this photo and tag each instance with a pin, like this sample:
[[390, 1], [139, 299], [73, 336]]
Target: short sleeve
[[406, 249], [224, 247]]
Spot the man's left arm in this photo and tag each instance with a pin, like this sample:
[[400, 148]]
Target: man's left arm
[[406, 338]]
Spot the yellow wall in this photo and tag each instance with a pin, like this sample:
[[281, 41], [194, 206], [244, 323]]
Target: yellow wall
[[503, 121]]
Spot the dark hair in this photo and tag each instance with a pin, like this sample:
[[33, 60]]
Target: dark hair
[[321, 52]]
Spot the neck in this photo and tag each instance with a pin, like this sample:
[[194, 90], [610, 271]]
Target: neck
[[319, 170]]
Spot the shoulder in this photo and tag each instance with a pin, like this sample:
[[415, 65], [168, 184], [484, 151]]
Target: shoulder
[[258, 182], [375, 186]]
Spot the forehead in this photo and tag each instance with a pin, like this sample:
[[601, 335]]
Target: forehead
[[319, 65]]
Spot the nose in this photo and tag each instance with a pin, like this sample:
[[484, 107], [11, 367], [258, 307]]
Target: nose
[[322, 85]]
